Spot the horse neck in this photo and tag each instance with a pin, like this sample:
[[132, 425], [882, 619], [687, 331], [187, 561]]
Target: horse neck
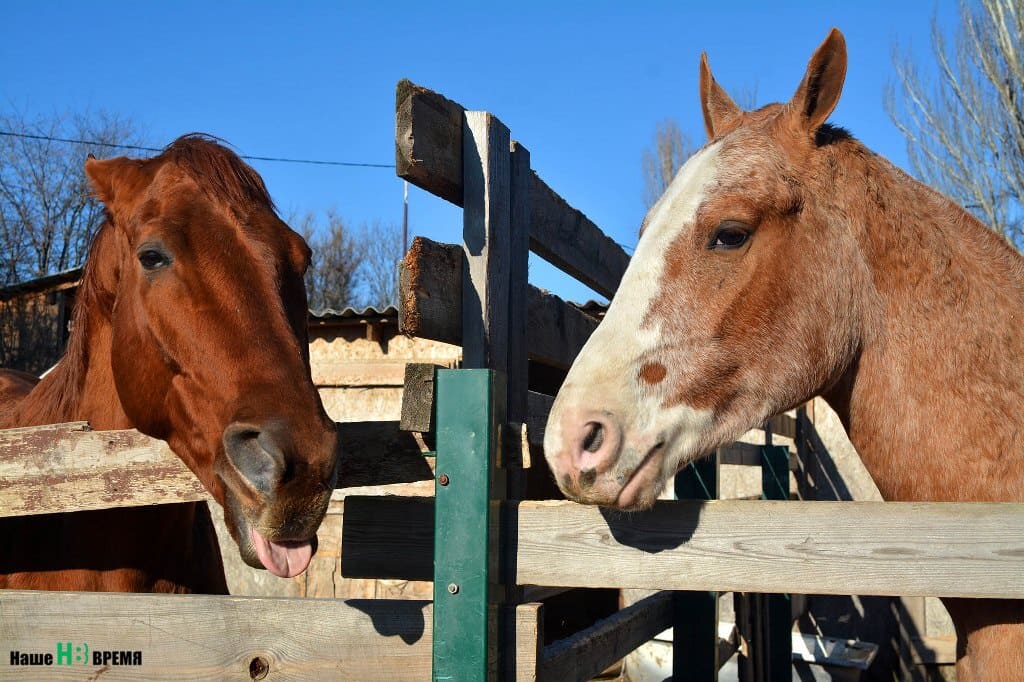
[[81, 387], [933, 401]]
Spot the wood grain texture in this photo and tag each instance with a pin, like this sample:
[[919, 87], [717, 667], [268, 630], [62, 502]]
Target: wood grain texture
[[191, 637], [486, 220], [429, 132], [418, 398], [359, 373], [65, 467], [587, 653], [517, 376], [570, 241], [431, 288], [528, 629], [557, 330], [428, 141], [430, 291], [867, 548]]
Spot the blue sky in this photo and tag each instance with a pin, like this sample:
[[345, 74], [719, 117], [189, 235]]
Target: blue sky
[[581, 84]]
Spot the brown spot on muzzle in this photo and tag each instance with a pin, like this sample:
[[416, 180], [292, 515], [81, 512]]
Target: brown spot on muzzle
[[653, 373], [587, 478]]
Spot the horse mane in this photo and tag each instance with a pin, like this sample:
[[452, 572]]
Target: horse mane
[[218, 171], [58, 395]]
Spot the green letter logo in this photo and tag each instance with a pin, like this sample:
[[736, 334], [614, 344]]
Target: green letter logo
[[63, 653]]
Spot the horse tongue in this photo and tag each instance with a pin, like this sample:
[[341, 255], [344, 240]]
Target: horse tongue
[[284, 559]]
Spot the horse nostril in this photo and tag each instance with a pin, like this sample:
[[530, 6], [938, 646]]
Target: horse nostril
[[594, 437], [255, 454]]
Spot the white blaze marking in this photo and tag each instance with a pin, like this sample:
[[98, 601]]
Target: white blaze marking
[[611, 353], [605, 375]]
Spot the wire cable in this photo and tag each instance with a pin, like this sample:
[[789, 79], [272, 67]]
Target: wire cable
[[315, 162]]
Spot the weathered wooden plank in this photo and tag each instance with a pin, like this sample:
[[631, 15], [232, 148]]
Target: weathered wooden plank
[[430, 291], [783, 425], [871, 548], [194, 637], [388, 537], [429, 133], [528, 630], [558, 331], [748, 454], [418, 398], [431, 287], [520, 200], [359, 373], [538, 407], [65, 467], [418, 409], [428, 141], [486, 218], [590, 651], [379, 453], [567, 239]]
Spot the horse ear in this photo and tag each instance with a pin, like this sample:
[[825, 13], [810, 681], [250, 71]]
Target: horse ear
[[822, 85], [719, 109], [104, 176]]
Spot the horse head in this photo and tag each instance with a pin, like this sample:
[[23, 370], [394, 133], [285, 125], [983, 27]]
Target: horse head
[[203, 287], [732, 308]]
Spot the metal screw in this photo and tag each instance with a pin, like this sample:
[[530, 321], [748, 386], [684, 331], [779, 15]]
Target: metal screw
[[443, 480], [453, 588]]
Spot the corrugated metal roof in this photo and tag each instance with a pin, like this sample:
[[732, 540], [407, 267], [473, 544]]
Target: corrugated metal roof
[[330, 314], [593, 308]]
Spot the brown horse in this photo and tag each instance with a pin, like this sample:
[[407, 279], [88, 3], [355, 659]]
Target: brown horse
[[190, 326], [785, 261]]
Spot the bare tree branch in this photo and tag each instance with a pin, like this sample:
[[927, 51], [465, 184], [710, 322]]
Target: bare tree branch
[[965, 127], [47, 214]]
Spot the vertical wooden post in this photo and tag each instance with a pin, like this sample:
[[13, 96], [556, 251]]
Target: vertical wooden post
[[519, 253], [778, 610], [695, 614], [467, 525], [486, 219], [467, 594]]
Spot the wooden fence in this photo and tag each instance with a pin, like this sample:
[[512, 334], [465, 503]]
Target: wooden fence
[[492, 552]]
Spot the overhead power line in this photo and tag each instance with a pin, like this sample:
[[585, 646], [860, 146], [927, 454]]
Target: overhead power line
[[313, 162]]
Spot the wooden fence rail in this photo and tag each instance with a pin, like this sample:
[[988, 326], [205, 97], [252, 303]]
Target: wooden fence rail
[[67, 467], [192, 637], [429, 153], [936, 549]]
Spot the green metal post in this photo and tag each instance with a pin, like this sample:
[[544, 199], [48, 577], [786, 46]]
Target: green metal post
[[695, 614], [470, 410], [778, 612]]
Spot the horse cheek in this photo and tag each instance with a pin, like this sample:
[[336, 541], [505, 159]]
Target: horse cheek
[[139, 373]]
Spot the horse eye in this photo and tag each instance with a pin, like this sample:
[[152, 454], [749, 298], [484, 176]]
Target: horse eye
[[729, 236], [151, 259]]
